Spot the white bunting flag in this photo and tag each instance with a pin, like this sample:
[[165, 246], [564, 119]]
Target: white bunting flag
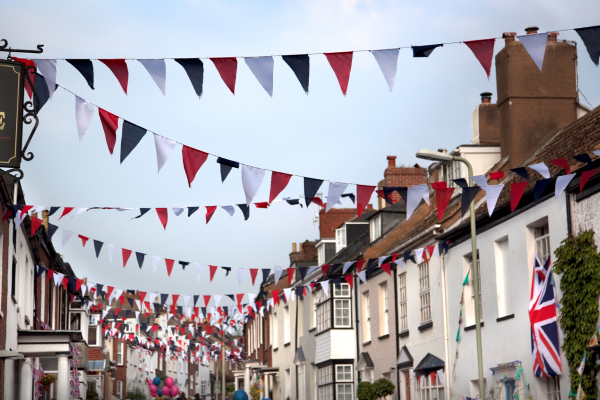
[[81, 210], [542, 169], [251, 179], [66, 236], [436, 252], [158, 72], [346, 266], [312, 269], [479, 180], [415, 194], [492, 193], [20, 217], [111, 252], [230, 210], [186, 299], [104, 312], [325, 287], [83, 290], [138, 303], [240, 275], [363, 276], [39, 209], [288, 294], [424, 191], [336, 189], [152, 297], [388, 62], [58, 277], [277, 274], [48, 69], [251, 297], [381, 260], [262, 68], [199, 268], [271, 302], [164, 148], [419, 254], [400, 262], [84, 111], [217, 298], [535, 44], [177, 211], [440, 375], [561, 183], [155, 261]]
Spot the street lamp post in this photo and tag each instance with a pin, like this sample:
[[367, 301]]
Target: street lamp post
[[438, 156]]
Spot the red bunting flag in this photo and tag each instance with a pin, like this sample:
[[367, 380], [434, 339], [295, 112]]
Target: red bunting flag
[[497, 175], [142, 296], [350, 279], [442, 198], [439, 185], [148, 306], [110, 123], [66, 211], [109, 290], [65, 282], [169, 265], [430, 250], [126, 253], [31, 74], [213, 269], [71, 298], [387, 268], [253, 273], [290, 275], [484, 52], [78, 284], [325, 268], [206, 301], [318, 201], [163, 215], [585, 177], [516, 192], [35, 224], [363, 196], [275, 294], [175, 298], [262, 204], [119, 69], [49, 274], [117, 312], [279, 181], [563, 163], [192, 161], [84, 239], [360, 264], [239, 297], [341, 63], [210, 210], [122, 300], [227, 67]]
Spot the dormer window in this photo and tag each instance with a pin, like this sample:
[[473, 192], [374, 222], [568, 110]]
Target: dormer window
[[375, 228], [340, 239]]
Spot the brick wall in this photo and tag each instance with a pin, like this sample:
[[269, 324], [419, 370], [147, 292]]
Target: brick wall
[[121, 371], [95, 353], [403, 176], [306, 252], [329, 222]]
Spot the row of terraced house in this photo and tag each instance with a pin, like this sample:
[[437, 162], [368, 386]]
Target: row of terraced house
[[404, 325]]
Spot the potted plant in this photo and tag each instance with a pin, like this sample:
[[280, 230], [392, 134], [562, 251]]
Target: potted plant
[[48, 380]]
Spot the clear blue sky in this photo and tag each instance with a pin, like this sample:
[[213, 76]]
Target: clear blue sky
[[322, 135]]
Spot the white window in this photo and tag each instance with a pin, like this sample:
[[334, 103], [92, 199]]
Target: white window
[[424, 292], [286, 324], [340, 239], [204, 387], [120, 353], [403, 302], [325, 383], [367, 318], [553, 388], [275, 330], [342, 306], [375, 228], [343, 373], [313, 311], [384, 320], [120, 389], [473, 287], [502, 276], [542, 243], [429, 387], [160, 361], [324, 316], [344, 391]]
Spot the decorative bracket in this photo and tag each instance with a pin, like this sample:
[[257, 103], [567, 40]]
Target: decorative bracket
[[4, 45]]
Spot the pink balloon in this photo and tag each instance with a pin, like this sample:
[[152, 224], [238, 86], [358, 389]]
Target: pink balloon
[[169, 382], [166, 391], [174, 391], [153, 388]]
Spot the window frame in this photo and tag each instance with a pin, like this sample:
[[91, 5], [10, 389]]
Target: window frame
[[553, 388], [95, 328], [367, 318], [337, 379], [340, 239], [541, 237], [425, 293], [120, 389], [384, 328], [425, 391], [120, 355], [375, 231], [403, 302]]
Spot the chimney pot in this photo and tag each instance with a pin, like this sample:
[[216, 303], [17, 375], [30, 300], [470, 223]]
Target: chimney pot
[[300, 247], [509, 37], [444, 151], [486, 98], [531, 30], [294, 248], [552, 36], [391, 161]]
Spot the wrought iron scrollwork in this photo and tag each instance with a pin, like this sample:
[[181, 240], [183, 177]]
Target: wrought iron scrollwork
[[30, 115], [4, 45], [19, 173]]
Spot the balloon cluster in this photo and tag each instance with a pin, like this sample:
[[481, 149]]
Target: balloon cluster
[[168, 390]]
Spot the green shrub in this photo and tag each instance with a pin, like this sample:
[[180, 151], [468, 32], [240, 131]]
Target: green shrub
[[136, 394], [382, 388], [365, 391]]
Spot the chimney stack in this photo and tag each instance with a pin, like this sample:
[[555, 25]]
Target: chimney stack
[[403, 176], [533, 105], [531, 30], [391, 161], [508, 37], [294, 248], [485, 121]]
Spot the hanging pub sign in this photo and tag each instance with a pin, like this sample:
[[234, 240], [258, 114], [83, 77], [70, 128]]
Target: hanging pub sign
[[11, 113]]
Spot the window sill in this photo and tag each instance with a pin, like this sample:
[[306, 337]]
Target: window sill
[[403, 334], [425, 326], [510, 316], [366, 343], [387, 335], [472, 327], [312, 330], [286, 344], [322, 332]]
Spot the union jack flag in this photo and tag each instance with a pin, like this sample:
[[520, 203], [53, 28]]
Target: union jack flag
[[544, 327]]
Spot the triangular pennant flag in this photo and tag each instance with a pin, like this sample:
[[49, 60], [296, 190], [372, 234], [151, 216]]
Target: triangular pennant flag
[[53, 210], [97, 247], [199, 268], [163, 300], [195, 71], [192, 210], [158, 72], [164, 148], [290, 275], [66, 236], [183, 264], [119, 69], [111, 252], [206, 301], [32, 74], [363, 196], [84, 110], [192, 161], [85, 68], [387, 268], [542, 169], [253, 273], [311, 187], [535, 44], [341, 63], [169, 264], [562, 163], [467, 197], [41, 89], [538, 189], [66, 211], [492, 193], [522, 172], [461, 182], [442, 198], [300, 65], [279, 181], [84, 239], [388, 63], [245, 210], [210, 210], [277, 274], [35, 224], [265, 274], [39, 270], [414, 196], [163, 216], [240, 275], [325, 268], [227, 67], [110, 123], [48, 69], [262, 68], [51, 231], [226, 166], [126, 253], [81, 210], [479, 180], [561, 183], [252, 177], [516, 192], [335, 191], [424, 51], [346, 266], [196, 297], [585, 177], [217, 298], [302, 271], [131, 135], [155, 261], [325, 287], [140, 258], [591, 39], [177, 211], [363, 276], [484, 52], [213, 269]]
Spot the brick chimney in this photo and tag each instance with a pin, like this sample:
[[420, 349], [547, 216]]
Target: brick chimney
[[485, 121], [307, 252], [533, 105], [330, 221], [403, 176]]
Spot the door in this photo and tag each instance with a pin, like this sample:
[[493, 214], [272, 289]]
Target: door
[[301, 383], [510, 389], [406, 384]]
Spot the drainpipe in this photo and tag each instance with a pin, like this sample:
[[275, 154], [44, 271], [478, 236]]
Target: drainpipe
[[569, 228], [397, 326], [356, 283], [445, 312]]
